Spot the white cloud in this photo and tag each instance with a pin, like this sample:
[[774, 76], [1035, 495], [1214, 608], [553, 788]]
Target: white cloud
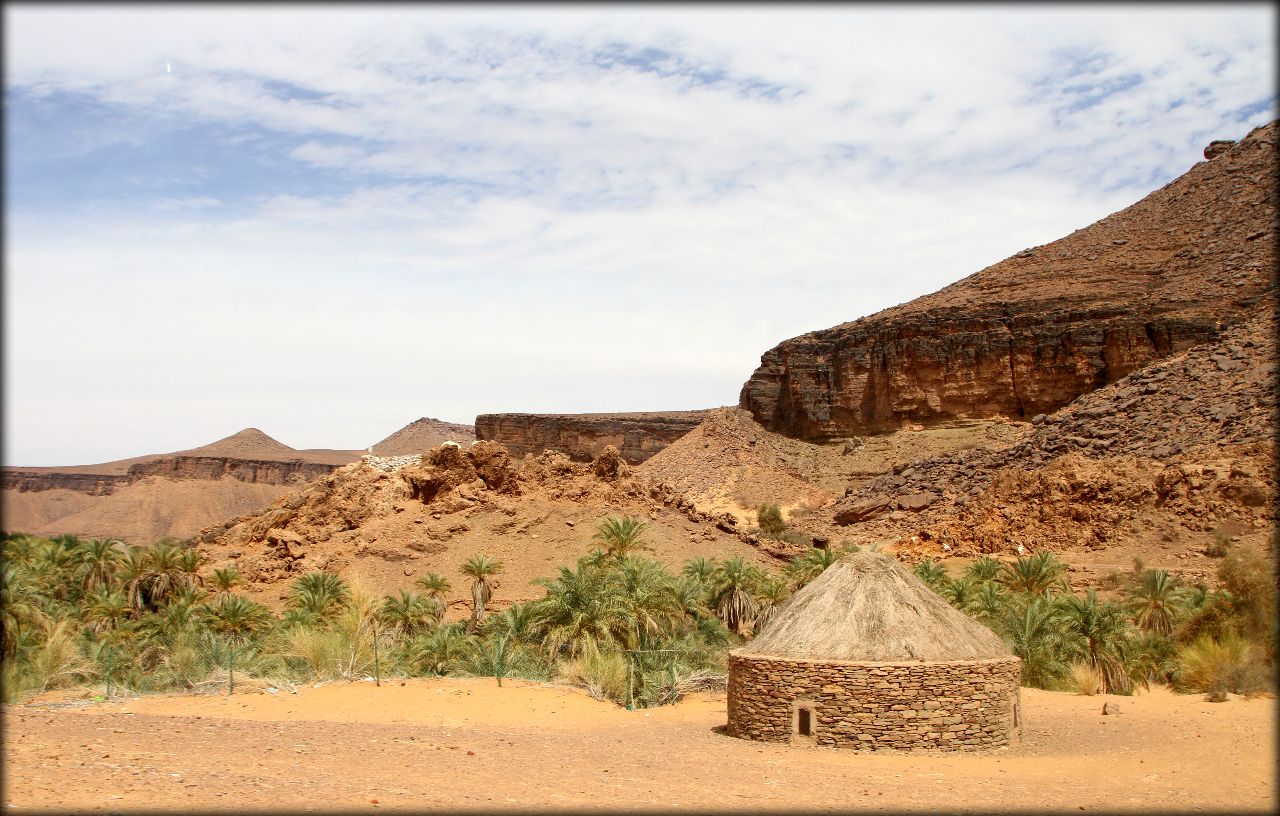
[[524, 220]]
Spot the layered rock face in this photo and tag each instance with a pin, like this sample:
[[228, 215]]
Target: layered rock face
[[172, 467], [1031, 333], [583, 437]]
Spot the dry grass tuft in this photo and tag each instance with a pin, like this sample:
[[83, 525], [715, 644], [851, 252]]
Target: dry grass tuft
[[1083, 678]]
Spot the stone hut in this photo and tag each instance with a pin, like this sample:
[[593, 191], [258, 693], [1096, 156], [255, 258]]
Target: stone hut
[[867, 657]]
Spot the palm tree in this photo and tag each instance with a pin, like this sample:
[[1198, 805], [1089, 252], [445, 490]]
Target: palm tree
[[237, 620], [19, 607], [53, 562], [804, 568], [106, 610], [407, 613], [989, 603], [224, 580], [480, 567], [700, 569], [647, 604], [1034, 574], [770, 594], [577, 609], [962, 593], [1156, 600], [189, 560], [933, 574], [436, 585], [731, 596], [98, 565], [621, 535], [318, 595], [1101, 632], [691, 596], [494, 656], [518, 622], [1034, 631], [984, 568], [133, 570], [163, 573], [437, 652]]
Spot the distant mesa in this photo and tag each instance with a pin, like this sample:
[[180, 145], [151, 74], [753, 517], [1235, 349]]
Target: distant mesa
[[151, 496]]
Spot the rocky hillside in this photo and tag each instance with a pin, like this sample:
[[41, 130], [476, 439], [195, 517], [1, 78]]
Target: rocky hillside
[[1028, 335], [390, 526], [1161, 465], [583, 437]]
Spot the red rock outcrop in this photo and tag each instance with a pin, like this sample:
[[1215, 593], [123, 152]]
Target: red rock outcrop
[[1029, 334], [583, 437]]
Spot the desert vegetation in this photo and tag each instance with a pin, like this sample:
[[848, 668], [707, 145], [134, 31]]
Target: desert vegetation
[[624, 627]]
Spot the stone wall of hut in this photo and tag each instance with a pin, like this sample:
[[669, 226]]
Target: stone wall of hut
[[964, 706]]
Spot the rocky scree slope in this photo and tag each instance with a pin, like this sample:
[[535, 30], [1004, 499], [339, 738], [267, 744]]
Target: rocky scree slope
[[1158, 464], [1031, 333], [391, 526]]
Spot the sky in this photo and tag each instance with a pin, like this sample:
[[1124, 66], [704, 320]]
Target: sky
[[327, 221]]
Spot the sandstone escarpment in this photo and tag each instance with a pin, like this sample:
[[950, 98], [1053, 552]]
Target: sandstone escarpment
[[583, 437], [1031, 333], [171, 467], [91, 484]]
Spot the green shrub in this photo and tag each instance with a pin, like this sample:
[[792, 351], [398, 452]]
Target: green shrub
[[797, 537], [769, 518]]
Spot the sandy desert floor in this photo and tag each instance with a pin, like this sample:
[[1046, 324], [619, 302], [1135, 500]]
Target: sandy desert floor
[[465, 744]]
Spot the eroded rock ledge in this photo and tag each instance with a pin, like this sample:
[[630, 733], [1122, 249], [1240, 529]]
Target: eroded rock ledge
[[583, 437]]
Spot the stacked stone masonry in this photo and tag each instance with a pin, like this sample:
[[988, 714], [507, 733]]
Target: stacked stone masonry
[[956, 706], [390, 464]]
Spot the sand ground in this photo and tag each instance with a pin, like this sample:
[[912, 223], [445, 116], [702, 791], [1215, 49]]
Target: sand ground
[[465, 744]]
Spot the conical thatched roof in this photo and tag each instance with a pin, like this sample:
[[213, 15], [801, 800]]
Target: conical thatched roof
[[869, 607]]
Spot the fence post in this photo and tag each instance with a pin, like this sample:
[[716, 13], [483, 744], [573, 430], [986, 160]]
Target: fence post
[[631, 698], [377, 670], [231, 675], [673, 677]]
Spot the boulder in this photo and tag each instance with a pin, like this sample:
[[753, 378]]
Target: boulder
[[863, 509]]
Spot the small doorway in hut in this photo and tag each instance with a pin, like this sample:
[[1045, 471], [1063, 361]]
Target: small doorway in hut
[[804, 722]]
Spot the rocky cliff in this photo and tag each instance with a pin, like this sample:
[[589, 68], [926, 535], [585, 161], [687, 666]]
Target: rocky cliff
[[1029, 334], [171, 467], [582, 437]]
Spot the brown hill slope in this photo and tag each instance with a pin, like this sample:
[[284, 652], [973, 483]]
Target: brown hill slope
[[731, 464], [421, 435], [391, 527], [1029, 334]]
